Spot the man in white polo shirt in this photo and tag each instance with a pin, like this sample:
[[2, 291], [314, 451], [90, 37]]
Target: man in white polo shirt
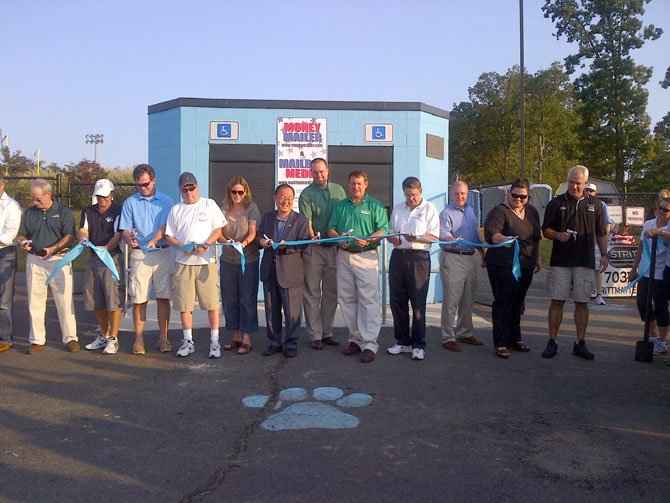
[[195, 220], [418, 221]]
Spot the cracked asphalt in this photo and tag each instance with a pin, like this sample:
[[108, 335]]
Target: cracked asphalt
[[454, 427]]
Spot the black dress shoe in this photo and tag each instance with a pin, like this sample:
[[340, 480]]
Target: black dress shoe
[[272, 350], [352, 349], [329, 341], [317, 344], [367, 356], [290, 353]]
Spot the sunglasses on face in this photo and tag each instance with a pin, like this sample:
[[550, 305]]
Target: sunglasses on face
[[590, 191], [144, 185], [523, 197], [188, 188], [237, 192]]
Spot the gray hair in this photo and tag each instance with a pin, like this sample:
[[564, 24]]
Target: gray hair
[[579, 170], [42, 184]]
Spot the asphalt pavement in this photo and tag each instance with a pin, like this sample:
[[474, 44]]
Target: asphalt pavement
[[455, 427]]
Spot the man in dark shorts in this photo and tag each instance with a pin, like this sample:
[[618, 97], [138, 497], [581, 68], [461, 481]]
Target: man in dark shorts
[[100, 226]]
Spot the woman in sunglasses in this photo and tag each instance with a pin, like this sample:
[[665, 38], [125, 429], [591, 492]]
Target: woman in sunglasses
[[659, 317], [514, 217], [240, 290]]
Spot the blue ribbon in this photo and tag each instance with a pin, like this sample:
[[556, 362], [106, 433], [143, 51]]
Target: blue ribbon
[[102, 253], [516, 266], [189, 247], [645, 261]]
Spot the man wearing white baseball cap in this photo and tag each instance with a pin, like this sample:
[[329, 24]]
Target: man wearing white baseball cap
[[100, 225], [592, 190]]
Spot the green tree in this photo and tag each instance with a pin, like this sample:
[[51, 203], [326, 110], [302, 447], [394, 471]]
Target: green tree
[[615, 127], [484, 133], [82, 176]]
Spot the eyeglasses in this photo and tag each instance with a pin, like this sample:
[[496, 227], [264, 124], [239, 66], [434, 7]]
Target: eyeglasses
[[664, 210], [188, 188], [37, 199], [523, 197], [143, 185], [237, 192]]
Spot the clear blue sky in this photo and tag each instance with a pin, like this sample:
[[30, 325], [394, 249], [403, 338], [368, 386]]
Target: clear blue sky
[[76, 67]]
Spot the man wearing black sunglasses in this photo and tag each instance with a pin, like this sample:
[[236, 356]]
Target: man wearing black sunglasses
[[575, 221], [142, 223]]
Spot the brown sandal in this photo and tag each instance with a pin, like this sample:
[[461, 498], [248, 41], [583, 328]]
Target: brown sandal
[[502, 353], [244, 348], [232, 345], [520, 346]]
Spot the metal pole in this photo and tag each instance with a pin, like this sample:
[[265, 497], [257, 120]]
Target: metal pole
[[95, 139], [522, 170], [384, 280]]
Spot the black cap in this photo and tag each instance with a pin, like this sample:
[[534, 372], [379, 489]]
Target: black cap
[[187, 179]]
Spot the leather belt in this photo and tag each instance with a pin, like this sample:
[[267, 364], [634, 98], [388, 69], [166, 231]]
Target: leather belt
[[408, 251], [459, 252]]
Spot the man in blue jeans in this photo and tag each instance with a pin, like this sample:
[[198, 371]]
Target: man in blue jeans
[[10, 219]]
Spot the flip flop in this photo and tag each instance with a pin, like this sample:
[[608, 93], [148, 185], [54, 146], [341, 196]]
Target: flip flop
[[232, 345], [244, 348]]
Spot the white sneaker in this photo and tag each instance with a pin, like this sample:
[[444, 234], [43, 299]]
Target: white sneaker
[[112, 346], [418, 354], [396, 349], [186, 348], [600, 301], [214, 350], [98, 343], [660, 348]]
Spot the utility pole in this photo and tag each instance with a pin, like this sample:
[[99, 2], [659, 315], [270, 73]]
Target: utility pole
[[522, 109]]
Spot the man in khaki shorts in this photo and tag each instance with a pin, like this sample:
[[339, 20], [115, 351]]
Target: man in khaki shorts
[[195, 220], [142, 224], [574, 221]]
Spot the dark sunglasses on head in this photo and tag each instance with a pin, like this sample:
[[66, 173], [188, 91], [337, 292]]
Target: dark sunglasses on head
[[237, 192], [188, 188], [144, 185], [523, 197]]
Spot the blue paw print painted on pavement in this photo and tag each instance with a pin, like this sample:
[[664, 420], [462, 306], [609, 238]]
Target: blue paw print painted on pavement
[[312, 414]]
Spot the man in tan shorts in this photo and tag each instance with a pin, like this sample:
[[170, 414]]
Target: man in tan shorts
[[195, 220], [142, 223]]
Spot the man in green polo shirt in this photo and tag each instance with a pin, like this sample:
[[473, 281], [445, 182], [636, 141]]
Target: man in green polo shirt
[[319, 297], [47, 228], [358, 264]]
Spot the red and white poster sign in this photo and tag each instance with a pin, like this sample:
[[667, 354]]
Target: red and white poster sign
[[299, 140]]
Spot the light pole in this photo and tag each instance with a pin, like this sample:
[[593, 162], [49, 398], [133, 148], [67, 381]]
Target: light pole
[[95, 139]]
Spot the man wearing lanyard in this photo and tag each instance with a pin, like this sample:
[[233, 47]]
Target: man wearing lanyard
[[142, 223], [458, 268], [358, 264], [10, 219], [316, 204], [575, 221], [417, 222], [47, 228]]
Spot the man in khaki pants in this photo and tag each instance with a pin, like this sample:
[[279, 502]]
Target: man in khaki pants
[[319, 298], [358, 264], [47, 228]]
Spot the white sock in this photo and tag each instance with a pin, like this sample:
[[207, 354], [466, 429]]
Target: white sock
[[188, 334], [214, 336]]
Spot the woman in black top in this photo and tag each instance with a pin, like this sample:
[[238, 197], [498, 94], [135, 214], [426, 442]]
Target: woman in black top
[[513, 217]]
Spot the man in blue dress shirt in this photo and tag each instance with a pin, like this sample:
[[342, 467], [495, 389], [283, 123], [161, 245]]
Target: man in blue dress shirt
[[458, 268]]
